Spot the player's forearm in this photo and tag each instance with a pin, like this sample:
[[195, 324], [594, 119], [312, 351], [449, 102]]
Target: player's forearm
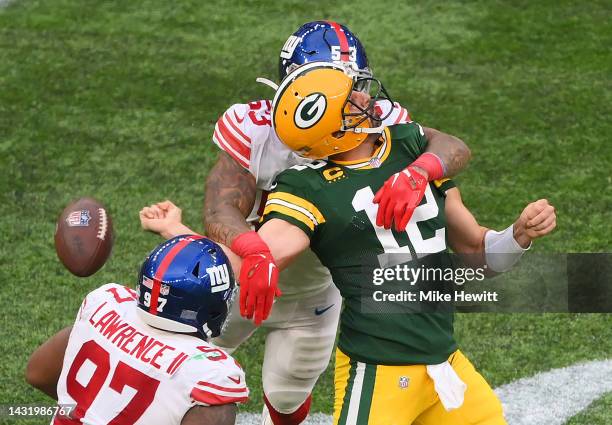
[[176, 230], [521, 236], [465, 234], [474, 245], [453, 152], [478, 245], [285, 240], [230, 195], [45, 365], [224, 224]]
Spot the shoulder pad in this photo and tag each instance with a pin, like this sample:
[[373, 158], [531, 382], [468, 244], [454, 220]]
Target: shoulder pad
[[240, 126], [306, 175], [400, 131], [219, 379], [232, 134], [111, 292]]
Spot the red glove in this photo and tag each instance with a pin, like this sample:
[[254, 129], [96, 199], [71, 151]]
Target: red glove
[[258, 277], [403, 192]]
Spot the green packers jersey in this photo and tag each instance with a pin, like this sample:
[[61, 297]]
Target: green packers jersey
[[332, 203]]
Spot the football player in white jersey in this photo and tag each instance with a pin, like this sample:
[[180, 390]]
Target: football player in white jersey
[[142, 357], [302, 325]]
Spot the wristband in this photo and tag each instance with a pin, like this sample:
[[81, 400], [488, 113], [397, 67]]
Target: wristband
[[431, 163], [249, 243], [502, 251]]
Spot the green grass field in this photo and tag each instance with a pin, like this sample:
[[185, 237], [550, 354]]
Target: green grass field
[[118, 100]]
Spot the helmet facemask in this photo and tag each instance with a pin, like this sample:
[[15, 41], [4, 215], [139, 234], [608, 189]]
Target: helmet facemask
[[366, 120]]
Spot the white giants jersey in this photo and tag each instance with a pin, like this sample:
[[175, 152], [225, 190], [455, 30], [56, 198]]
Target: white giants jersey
[[245, 132], [119, 370]]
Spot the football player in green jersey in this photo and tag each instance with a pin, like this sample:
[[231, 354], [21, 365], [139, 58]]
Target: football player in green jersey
[[390, 369]]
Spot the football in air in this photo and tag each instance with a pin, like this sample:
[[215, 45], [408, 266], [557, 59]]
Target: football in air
[[84, 237]]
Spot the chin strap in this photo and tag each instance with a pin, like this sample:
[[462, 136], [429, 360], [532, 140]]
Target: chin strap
[[267, 82], [369, 130]]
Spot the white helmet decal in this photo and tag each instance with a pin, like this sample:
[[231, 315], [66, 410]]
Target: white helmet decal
[[310, 110]]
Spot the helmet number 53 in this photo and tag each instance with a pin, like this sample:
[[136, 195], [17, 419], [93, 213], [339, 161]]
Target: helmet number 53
[[336, 53]]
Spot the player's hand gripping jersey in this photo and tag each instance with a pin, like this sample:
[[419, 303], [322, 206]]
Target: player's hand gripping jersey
[[119, 370], [245, 132], [332, 203]]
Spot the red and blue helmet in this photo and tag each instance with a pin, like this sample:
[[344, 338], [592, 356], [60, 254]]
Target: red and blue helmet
[[323, 41], [186, 284]]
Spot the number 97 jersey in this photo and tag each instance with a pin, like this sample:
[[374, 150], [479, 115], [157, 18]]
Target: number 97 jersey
[[118, 370], [332, 202]]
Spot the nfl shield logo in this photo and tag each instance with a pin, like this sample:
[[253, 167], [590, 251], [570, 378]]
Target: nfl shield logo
[[165, 289], [403, 382], [78, 218]]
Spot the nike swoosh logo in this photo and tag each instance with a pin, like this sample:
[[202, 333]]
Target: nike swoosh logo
[[270, 270], [395, 176], [234, 380], [238, 119], [320, 311]]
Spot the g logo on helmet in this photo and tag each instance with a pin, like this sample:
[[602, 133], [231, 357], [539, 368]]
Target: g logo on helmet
[[310, 110]]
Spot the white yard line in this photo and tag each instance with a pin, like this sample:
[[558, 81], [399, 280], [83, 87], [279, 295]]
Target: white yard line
[[547, 398], [553, 397]]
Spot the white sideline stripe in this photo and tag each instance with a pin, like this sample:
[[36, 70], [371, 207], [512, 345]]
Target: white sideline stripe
[[547, 398], [553, 397]]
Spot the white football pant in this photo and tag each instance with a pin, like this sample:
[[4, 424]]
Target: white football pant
[[300, 338]]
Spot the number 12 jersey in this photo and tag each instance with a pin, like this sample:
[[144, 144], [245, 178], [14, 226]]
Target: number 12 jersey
[[332, 203]]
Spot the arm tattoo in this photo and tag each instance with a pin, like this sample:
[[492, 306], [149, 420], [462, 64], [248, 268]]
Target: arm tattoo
[[451, 150], [230, 195]]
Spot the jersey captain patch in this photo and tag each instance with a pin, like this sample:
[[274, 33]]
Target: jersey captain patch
[[334, 174]]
